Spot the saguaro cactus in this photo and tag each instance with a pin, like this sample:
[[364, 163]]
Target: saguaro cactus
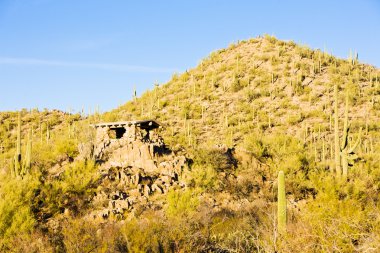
[[281, 204], [344, 155], [47, 132], [28, 154], [338, 168], [21, 164], [347, 154], [134, 94], [17, 158]]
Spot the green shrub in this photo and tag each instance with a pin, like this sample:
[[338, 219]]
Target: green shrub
[[15, 198], [79, 176], [254, 143], [203, 177], [182, 204], [67, 147], [216, 159]]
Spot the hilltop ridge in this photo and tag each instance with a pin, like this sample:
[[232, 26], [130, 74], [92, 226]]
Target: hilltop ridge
[[262, 82]]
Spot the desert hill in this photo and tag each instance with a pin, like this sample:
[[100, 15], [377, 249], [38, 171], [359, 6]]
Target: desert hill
[[262, 83], [242, 115]]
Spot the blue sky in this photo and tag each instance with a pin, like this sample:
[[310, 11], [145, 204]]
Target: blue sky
[[89, 53]]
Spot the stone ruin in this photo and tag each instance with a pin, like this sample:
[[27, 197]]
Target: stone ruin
[[135, 165]]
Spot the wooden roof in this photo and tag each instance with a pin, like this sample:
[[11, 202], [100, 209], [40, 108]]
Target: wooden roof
[[143, 124]]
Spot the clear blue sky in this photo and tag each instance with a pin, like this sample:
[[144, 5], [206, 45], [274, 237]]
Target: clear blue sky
[[83, 53]]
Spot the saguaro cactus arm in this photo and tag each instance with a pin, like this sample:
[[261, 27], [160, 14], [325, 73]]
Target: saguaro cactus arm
[[352, 149], [346, 126]]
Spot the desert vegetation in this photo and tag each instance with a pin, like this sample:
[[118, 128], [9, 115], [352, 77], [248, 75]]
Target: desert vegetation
[[282, 143]]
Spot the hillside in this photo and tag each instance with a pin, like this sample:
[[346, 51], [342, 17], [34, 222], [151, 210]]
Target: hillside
[[242, 115], [265, 84]]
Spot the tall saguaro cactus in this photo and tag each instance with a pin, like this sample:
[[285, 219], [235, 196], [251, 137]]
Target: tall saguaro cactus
[[28, 154], [47, 132], [338, 168], [344, 154], [281, 204], [21, 164], [347, 153], [17, 158]]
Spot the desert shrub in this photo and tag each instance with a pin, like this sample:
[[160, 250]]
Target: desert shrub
[[111, 117], [153, 232], [78, 176], [204, 177], [304, 51], [216, 159], [16, 218], [237, 83], [186, 110], [315, 114], [67, 147], [204, 232], [34, 242], [70, 191], [251, 95], [280, 151], [295, 119], [352, 90], [60, 147], [254, 143], [338, 223], [42, 155], [143, 235], [81, 235], [233, 232], [282, 147], [181, 204]]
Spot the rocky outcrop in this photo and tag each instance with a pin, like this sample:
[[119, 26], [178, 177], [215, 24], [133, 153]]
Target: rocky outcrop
[[134, 169]]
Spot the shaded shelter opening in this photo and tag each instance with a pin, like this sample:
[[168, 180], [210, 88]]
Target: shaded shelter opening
[[117, 133]]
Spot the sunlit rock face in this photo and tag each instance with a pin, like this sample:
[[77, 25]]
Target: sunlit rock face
[[136, 166]]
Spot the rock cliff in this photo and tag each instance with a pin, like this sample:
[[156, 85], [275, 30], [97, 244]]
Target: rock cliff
[[135, 167]]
